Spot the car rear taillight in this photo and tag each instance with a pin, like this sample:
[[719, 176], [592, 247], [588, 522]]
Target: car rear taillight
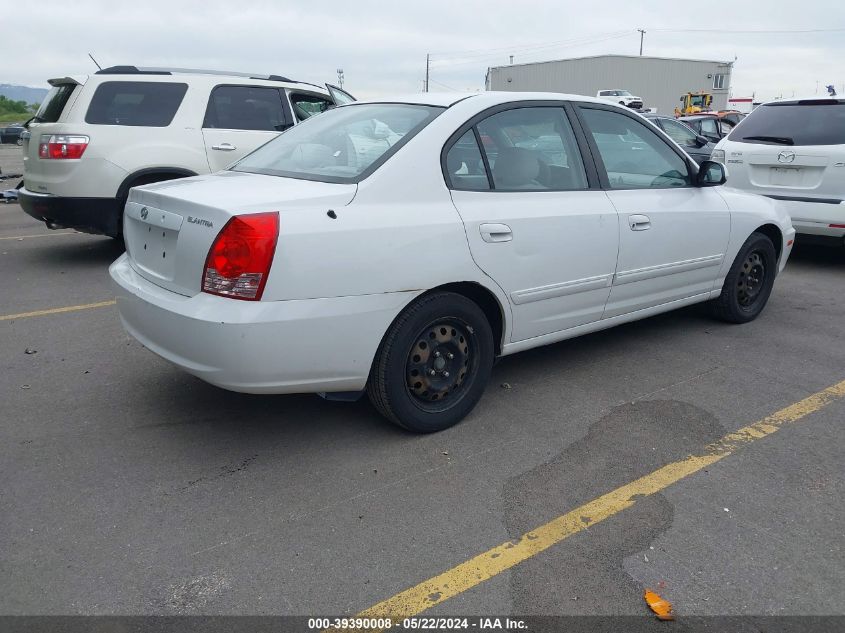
[[62, 146], [239, 259]]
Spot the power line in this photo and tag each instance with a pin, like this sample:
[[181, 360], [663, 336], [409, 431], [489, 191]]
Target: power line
[[765, 31]]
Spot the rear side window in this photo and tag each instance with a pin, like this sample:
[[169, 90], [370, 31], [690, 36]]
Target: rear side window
[[135, 103], [465, 166], [812, 122], [53, 104], [245, 108], [532, 149]]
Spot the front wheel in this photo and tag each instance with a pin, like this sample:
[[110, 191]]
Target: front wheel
[[749, 281], [433, 364]]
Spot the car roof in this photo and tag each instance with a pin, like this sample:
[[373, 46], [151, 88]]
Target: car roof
[[798, 100], [487, 98], [135, 71]]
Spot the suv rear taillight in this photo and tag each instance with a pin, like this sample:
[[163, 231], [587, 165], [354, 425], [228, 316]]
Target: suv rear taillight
[[59, 146], [239, 259]]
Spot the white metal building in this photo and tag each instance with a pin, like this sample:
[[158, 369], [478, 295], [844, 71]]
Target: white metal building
[[660, 81]]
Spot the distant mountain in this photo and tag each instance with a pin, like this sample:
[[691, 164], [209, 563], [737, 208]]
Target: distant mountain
[[23, 93]]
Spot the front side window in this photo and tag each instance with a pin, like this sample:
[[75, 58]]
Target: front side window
[[680, 133], [135, 103], [306, 105], [245, 108], [532, 149], [344, 145], [810, 122], [634, 156]]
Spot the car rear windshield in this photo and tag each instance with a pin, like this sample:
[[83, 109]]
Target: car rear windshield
[[343, 145], [135, 103], [812, 122], [53, 104]]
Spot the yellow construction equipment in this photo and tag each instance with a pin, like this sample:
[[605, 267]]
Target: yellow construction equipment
[[694, 102]]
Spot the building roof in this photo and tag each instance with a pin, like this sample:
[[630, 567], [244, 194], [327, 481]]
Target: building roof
[[573, 59]]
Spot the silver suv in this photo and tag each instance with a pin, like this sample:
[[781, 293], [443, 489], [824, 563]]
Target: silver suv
[[95, 137]]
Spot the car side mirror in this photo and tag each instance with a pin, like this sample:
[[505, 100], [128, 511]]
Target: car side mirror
[[701, 140], [711, 174]]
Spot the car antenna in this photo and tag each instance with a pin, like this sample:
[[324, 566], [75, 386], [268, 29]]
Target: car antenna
[[95, 61]]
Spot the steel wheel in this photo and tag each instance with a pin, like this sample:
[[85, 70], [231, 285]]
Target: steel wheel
[[442, 356], [751, 279]]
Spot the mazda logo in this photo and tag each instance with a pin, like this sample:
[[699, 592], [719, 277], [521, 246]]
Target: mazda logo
[[145, 213], [786, 157]]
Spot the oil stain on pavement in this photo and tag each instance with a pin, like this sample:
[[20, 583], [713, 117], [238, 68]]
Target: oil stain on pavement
[[585, 575]]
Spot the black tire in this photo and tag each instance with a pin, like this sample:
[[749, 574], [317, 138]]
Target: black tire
[[749, 281], [443, 332]]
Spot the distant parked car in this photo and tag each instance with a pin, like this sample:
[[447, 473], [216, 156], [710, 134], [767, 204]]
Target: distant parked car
[[388, 247], [793, 150], [96, 137], [697, 146], [12, 134], [709, 126], [622, 97], [733, 117]]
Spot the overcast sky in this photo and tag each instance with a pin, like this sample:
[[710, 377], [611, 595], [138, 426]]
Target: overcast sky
[[382, 45]]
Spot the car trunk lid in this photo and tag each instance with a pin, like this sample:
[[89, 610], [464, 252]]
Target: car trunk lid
[[169, 227]]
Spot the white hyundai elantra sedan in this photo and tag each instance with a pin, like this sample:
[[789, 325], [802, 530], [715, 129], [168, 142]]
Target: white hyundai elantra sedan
[[398, 247]]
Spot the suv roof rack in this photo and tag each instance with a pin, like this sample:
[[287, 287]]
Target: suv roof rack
[[135, 70]]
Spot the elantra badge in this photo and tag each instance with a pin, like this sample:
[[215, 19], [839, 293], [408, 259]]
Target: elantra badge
[[194, 220]]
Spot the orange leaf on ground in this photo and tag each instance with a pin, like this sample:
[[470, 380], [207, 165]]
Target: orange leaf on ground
[[662, 608]]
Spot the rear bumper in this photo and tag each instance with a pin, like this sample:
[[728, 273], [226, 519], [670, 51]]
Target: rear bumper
[[100, 216], [815, 218], [297, 346]]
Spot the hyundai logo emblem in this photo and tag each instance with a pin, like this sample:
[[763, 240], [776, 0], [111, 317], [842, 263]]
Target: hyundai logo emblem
[[786, 157], [145, 213]]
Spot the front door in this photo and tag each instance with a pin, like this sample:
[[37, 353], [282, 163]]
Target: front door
[[533, 223], [672, 234]]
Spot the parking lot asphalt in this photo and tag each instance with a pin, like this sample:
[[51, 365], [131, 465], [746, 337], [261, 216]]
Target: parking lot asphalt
[[130, 487]]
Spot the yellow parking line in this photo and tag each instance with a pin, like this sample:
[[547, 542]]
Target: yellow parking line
[[494, 561], [87, 306], [25, 237]]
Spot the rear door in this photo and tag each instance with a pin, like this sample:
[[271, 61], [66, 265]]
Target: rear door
[[536, 220], [239, 119], [672, 235]]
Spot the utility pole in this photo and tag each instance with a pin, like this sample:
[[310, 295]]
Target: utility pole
[[642, 33], [427, 64]]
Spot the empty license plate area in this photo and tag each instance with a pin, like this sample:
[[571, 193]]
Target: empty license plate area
[[785, 176], [151, 235]]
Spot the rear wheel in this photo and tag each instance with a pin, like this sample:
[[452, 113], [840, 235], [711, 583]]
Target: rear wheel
[[749, 281], [433, 364]]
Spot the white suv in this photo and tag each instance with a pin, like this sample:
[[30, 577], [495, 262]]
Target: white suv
[[793, 151], [95, 137], [622, 97]]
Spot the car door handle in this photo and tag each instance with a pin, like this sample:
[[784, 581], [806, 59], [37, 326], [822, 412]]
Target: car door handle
[[224, 147], [496, 232], [639, 222]]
